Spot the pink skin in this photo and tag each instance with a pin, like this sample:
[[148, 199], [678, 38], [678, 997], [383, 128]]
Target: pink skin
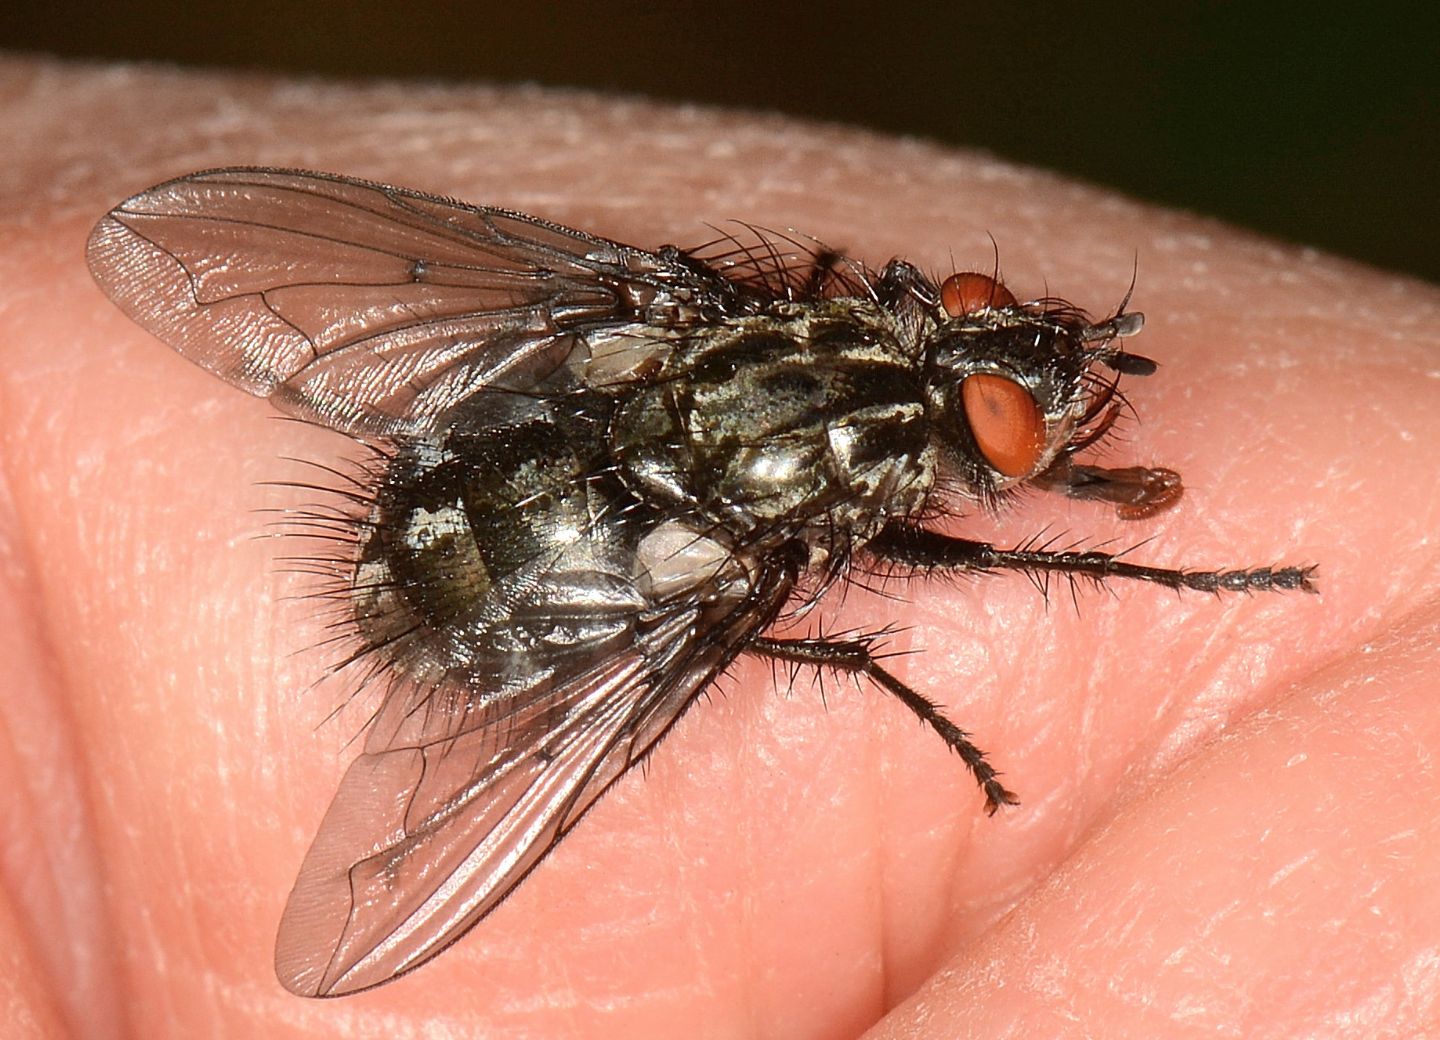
[[1228, 823]]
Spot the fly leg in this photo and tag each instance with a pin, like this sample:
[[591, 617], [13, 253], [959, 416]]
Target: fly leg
[[856, 657], [924, 551]]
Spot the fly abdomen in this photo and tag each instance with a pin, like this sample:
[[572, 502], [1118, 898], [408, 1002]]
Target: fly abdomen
[[493, 544]]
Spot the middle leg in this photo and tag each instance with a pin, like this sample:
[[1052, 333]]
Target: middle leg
[[856, 657]]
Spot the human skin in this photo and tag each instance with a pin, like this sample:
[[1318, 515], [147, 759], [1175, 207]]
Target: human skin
[[1227, 823]]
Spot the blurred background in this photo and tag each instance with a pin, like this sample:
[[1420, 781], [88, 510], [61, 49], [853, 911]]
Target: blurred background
[[1315, 123]]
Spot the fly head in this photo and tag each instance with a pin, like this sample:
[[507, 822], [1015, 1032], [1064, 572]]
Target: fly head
[[1017, 389]]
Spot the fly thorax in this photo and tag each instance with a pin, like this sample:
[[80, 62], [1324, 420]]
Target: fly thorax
[[816, 417]]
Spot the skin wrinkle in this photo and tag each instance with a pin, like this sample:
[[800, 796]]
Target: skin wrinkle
[[51, 866], [1414, 640], [103, 135]]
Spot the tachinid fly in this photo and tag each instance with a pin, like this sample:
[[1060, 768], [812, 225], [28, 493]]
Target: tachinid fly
[[601, 474]]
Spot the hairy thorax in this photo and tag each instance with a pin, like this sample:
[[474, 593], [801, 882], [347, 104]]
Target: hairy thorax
[[804, 419]]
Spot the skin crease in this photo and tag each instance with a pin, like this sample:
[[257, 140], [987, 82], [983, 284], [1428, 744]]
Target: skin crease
[[1228, 821]]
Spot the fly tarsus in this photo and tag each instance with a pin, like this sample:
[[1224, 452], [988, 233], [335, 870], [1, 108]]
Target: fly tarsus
[[858, 657]]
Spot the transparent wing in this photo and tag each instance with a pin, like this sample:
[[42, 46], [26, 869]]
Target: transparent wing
[[446, 810], [364, 307]]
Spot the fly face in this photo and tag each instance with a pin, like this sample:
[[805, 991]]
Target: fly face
[[602, 472]]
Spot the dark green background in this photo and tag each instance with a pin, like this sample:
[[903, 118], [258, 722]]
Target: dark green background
[[1317, 123]]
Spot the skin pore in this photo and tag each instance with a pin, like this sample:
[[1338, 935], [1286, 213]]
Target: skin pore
[[1227, 818]]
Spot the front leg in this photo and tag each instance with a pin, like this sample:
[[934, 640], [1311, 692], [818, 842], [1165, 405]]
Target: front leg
[[924, 550]]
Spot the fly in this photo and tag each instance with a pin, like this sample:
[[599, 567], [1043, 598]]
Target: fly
[[600, 474]]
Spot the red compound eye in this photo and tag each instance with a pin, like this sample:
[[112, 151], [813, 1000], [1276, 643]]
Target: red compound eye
[[971, 293], [1006, 422]]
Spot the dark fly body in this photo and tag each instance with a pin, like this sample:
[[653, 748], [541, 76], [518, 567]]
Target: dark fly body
[[602, 474]]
